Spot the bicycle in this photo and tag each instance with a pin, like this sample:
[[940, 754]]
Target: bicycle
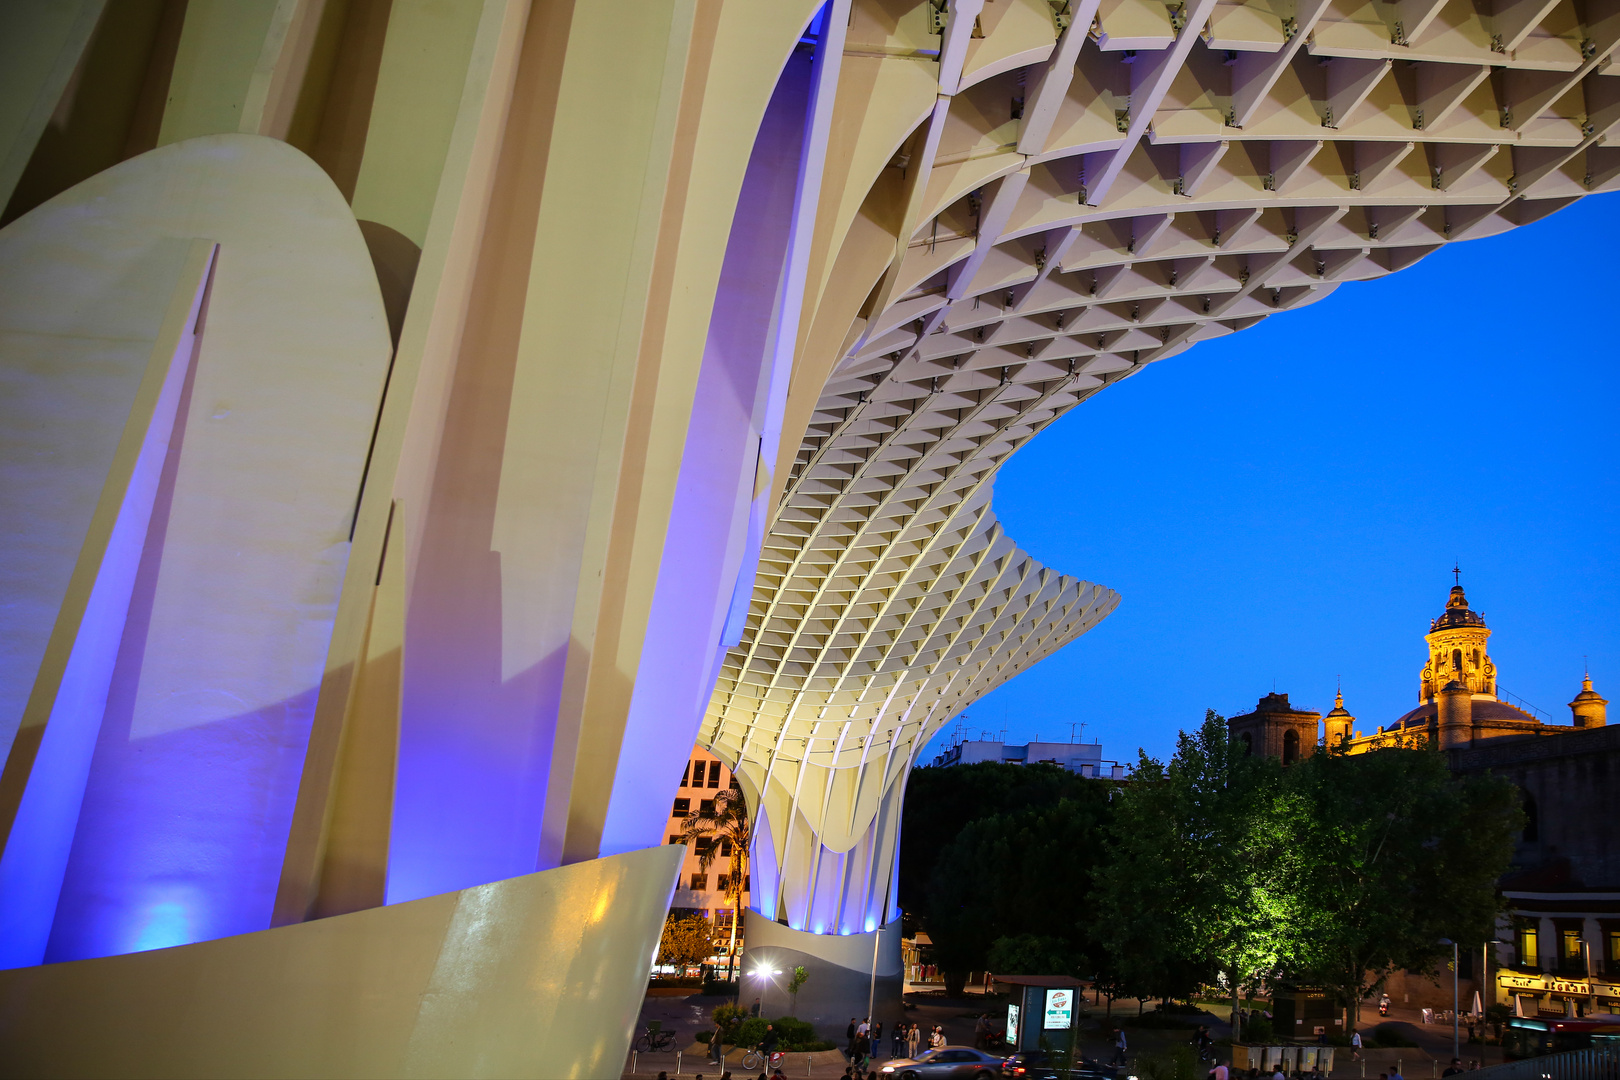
[[655, 1038], [754, 1059]]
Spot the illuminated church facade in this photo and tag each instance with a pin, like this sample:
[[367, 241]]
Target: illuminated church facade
[[1557, 948], [1459, 703]]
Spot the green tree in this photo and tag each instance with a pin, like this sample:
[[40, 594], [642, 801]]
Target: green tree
[[941, 802], [726, 827], [1394, 854], [1198, 881], [1031, 954], [795, 983], [687, 940], [1026, 872]]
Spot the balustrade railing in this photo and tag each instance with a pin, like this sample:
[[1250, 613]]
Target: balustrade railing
[[1597, 1063]]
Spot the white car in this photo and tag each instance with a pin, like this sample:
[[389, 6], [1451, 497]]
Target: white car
[[957, 1062]]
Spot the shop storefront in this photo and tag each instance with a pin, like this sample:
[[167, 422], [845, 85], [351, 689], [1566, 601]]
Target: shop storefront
[[1545, 994]]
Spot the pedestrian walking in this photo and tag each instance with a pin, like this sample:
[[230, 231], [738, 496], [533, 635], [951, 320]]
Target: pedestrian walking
[[937, 1039], [897, 1040], [1355, 1046], [913, 1040], [1120, 1046], [981, 1032], [850, 1032], [877, 1037]]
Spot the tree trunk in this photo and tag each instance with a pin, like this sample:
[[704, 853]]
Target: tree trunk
[[1237, 1017], [955, 983], [731, 953]]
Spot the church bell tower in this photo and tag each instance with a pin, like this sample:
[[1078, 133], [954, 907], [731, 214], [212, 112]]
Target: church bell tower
[[1457, 651]]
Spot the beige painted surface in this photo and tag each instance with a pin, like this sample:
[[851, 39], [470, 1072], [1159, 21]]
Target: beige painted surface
[[539, 975], [269, 467], [59, 387], [67, 385], [256, 530], [219, 82], [40, 45], [425, 66], [398, 481]]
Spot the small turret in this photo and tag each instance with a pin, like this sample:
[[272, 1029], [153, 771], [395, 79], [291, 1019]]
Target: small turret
[[1338, 725], [1590, 709]]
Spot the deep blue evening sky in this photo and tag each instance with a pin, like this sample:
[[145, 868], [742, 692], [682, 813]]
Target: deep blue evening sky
[[1283, 505]]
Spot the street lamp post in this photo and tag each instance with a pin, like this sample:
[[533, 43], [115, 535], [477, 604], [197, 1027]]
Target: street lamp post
[[764, 974], [1456, 1045], [1487, 994]]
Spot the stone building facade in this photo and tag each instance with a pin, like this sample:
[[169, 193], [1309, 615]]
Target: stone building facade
[[1277, 729], [1561, 936], [1558, 947]]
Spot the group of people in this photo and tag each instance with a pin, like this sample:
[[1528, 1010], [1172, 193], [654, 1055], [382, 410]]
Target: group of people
[[1222, 1072], [866, 1040]]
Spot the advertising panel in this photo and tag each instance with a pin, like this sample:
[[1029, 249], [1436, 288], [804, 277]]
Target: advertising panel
[[1012, 1024], [1059, 1009]]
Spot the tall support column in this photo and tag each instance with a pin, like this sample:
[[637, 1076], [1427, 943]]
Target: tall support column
[[841, 969]]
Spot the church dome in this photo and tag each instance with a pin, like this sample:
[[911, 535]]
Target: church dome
[[1457, 612], [1483, 711]]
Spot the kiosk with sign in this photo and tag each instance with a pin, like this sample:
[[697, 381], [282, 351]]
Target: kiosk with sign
[[1042, 1007]]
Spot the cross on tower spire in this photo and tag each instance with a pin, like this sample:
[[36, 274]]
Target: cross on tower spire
[[1456, 573]]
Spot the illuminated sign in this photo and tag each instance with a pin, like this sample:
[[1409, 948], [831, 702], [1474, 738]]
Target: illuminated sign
[[1552, 984], [1012, 1024], [1059, 1009]]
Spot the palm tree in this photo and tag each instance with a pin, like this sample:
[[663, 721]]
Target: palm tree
[[727, 823]]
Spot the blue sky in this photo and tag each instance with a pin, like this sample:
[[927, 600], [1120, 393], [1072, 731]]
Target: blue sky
[[1282, 507]]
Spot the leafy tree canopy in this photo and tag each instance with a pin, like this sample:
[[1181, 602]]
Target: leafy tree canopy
[[687, 940], [941, 801], [1029, 954], [1025, 872], [1199, 879], [1394, 854]]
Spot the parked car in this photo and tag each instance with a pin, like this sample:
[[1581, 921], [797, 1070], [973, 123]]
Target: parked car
[[956, 1062]]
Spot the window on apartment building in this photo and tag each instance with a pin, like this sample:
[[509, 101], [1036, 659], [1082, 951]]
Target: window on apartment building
[[682, 808], [697, 772], [684, 770], [725, 853], [700, 882], [706, 806], [714, 774], [702, 844], [1525, 938], [734, 786], [1611, 952], [676, 839], [1571, 959]]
